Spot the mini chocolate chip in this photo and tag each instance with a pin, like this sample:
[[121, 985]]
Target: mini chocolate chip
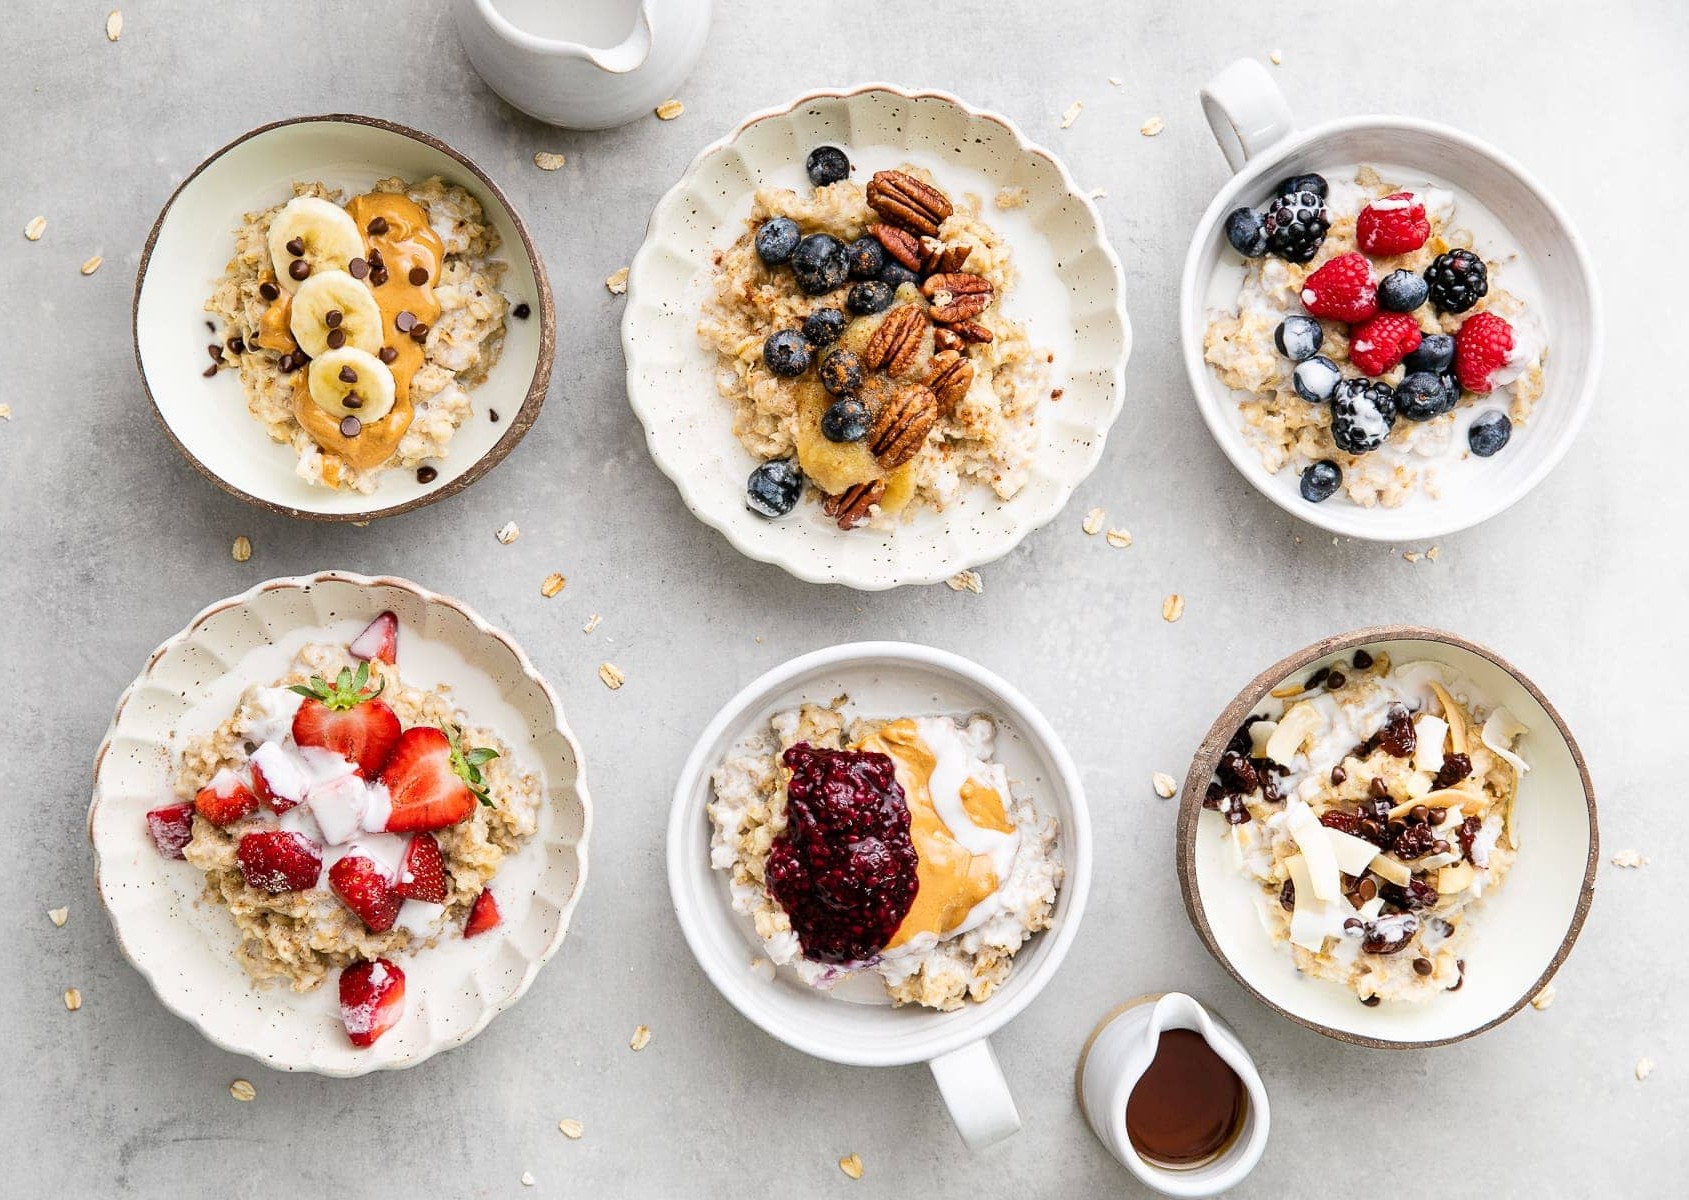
[[1317, 678], [1422, 966], [350, 426], [358, 268], [1378, 789], [378, 276], [236, 346], [521, 312], [1366, 890], [419, 275], [426, 474], [1439, 815], [336, 338], [215, 351], [1352, 923], [1363, 660], [1372, 1001], [299, 268], [377, 226], [419, 332], [1338, 775], [492, 415], [1440, 846], [1335, 681], [269, 291], [209, 371], [388, 354], [348, 375], [353, 400], [405, 321], [333, 317], [296, 247], [376, 261], [1419, 813], [1371, 830]]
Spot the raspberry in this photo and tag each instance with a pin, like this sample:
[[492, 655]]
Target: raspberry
[[1393, 225], [1383, 341], [1481, 347], [1342, 290]]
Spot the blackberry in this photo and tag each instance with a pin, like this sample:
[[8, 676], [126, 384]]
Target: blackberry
[[1296, 225], [1423, 395], [1321, 481], [787, 353], [1362, 413], [1489, 432], [1298, 338], [827, 164], [1247, 232], [1457, 280], [825, 326], [773, 488], [1401, 291], [1434, 353], [1304, 183], [1315, 379]]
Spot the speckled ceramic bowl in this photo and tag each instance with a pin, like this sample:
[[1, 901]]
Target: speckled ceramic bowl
[[185, 945], [1069, 294]]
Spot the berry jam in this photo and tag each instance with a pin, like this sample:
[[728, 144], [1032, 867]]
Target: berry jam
[[844, 867]]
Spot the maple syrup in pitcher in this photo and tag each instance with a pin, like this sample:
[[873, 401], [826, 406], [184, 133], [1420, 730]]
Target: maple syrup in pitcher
[[1188, 1106]]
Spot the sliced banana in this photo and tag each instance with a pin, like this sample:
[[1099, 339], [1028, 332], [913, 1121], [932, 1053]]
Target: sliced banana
[[351, 383], [313, 319], [316, 232]]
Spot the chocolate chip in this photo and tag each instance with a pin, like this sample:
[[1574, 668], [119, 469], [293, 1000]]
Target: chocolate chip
[[387, 354], [1335, 681], [492, 415], [378, 276], [419, 331], [1422, 966], [236, 346], [1439, 815], [348, 375], [350, 427], [1366, 890], [1378, 789], [376, 261], [296, 247], [209, 371], [353, 400], [1338, 775], [377, 226], [405, 321], [1440, 846], [1419, 813], [336, 338], [1372, 1001], [426, 474], [1317, 678], [216, 352], [1372, 831], [333, 317], [1363, 660], [358, 268], [299, 268], [419, 276], [269, 291], [521, 312]]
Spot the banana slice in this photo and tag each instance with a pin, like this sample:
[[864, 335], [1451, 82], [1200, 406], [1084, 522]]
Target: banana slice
[[331, 300], [351, 383], [316, 232]]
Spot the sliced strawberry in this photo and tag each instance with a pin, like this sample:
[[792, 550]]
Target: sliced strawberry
[[483, 915], [379, 642], [346, 718], [225, 799], [172, 828], [423, 876], [276, 778], [426, 788], [372, 999], [365, 889], [279, 860], [1342, 290]]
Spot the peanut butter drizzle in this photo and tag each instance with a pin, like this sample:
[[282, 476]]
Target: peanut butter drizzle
[[407, 242], [951, 880]]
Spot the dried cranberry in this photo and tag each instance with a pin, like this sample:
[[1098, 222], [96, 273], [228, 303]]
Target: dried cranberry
[[1397, 737], [1416, 841], [1287, 896], [1212, 797], [1460, 963], [1455, 768], [1237, 773], [1377, 807], [1269, 784], [1416, 895], [1468, 833], [1344, 822], [1237, 812], [1390, 935], [1241, 742]]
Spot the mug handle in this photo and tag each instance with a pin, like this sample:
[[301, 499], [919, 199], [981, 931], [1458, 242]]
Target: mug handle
[[1246, 110], [976, 1094]]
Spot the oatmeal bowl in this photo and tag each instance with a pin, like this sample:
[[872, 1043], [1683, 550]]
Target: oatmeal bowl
[[1390, 328], [876, 336], [1389, 837], [339, 823], [880, 853], [341, 318]]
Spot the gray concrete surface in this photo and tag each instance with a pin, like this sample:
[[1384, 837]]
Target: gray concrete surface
[[110, 542]]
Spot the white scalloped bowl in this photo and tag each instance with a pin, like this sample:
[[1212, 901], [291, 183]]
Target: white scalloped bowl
[[1070, 294], [184, 945]]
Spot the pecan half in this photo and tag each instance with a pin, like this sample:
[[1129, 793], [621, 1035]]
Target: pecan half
[[902, 425], [946, 339], [973, 331], [850, 507], [957, 296], [897, 341], [949, 379], [955, 257], [906, 201], [902, 245]]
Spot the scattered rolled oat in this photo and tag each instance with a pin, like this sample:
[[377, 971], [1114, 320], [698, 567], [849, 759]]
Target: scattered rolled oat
[[35, 229], [1116, 81], [1173, 607], [552, 585], [242, 549], [509, 533], [1644, 1068], [851, 1164], [641, 1038], [1072, 113], [527, 1179], [1413, 556], [1094, 519], [114, 24], [546, 160], [1433, 552], [613, 679], [1543, 998], [1629, 858], [243, 1091], [73, 999], [5, 412], [966, 581], [58, 916], [1152, 127], [591, 623], [1165, 785], [668, 110], [92, 265], [1118, 538], [571, 1128], [1097, 194], [617, 282], [1011, 197]]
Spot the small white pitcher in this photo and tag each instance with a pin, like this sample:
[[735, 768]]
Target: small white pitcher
[[1119, 1053], [583, 64]]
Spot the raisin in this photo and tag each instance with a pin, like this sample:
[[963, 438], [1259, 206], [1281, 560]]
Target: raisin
[[1269, 784], [1287, 896], [1416, 895], [1211, 798], [1241, 742], [1467, 834], [1235, 810], [1455, 768], [1416, 841], [1389, 939], [1397, 737], [1237, 772], [1343, 822]]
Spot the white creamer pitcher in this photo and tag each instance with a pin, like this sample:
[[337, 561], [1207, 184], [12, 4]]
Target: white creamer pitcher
[[583, 64], [1115, 1059]]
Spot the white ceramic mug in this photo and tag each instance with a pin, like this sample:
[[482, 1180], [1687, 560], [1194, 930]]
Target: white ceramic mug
[[1119, 1053], [583, 64], [1257, 133], [884, 678]]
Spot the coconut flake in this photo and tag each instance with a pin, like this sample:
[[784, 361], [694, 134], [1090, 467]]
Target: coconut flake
[[1500, 731]]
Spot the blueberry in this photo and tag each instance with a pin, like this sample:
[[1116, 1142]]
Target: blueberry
[[846, 421], [819, 264], [841, 372], [1304, 183], [1402, 291], [1315, 379], [869, 297], [824, 326], [1489, 432], [787, 353], [827, 164], [896, 274], [1247, 232], [777, 239], [1434, 353], [866, 258], [1298, 338], [1321, 481], [773, 488], [1423, 395], [1362, 414]]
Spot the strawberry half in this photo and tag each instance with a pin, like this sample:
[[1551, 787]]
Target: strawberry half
[[172, 828], [277, 778], [372, 999], [483, 915], [345, 717], [364, 888], [432, 780], [378, 642], [279, 860], [1394, 225], [1381, 342], [1342, 290], [423, 875], [225, 799]]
